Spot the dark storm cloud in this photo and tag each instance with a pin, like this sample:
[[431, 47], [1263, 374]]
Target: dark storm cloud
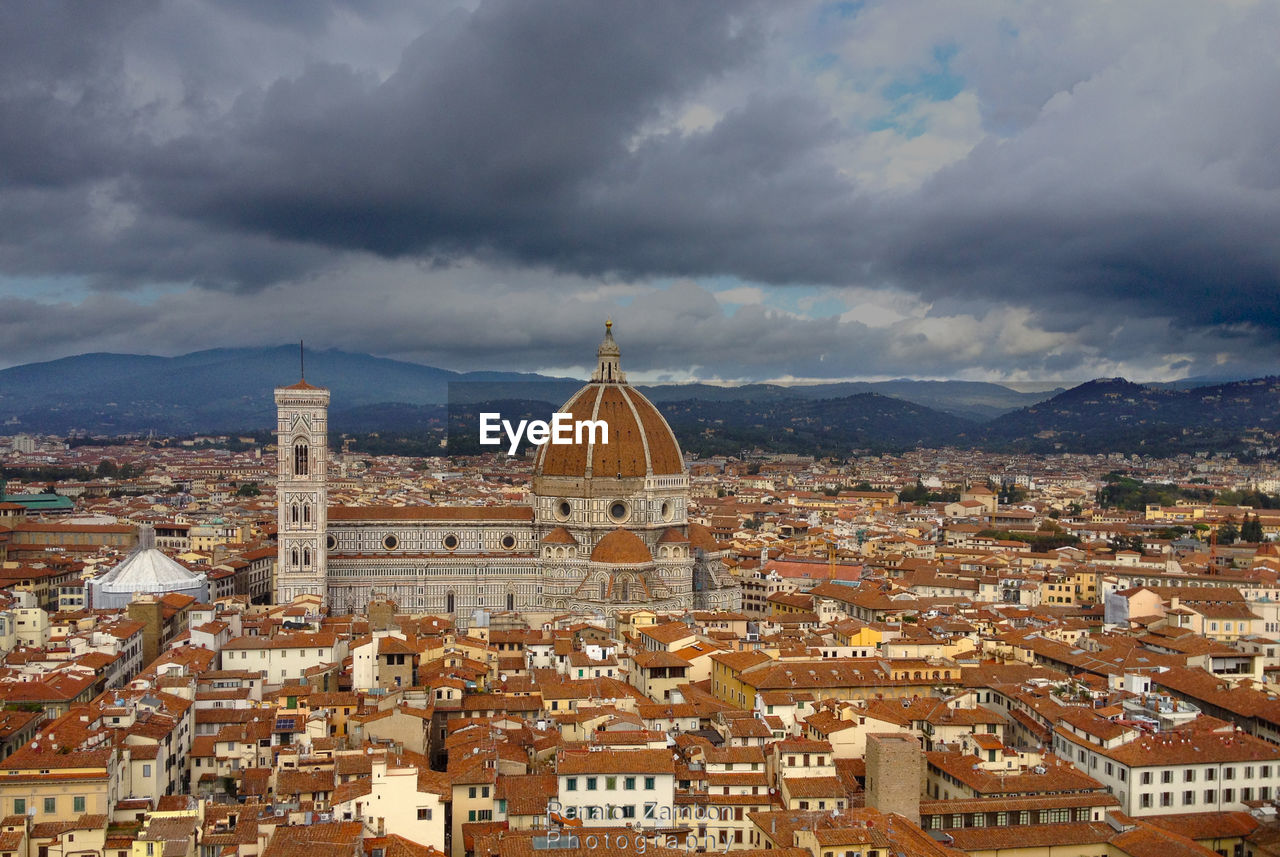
[[1125, 178], [61, 76], [487, 138]]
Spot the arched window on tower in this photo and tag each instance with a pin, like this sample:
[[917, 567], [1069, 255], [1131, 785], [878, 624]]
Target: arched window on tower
[[511, 601], [449, 603], [301, 466], [626, 589], [306, 514], [294, 557], [293, 513], [306, 557], [604, 589]]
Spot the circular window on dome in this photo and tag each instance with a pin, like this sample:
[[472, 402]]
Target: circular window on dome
[[330, 543], [390, 542], [451, 542], [563, 510], [668, 511], [619, 511], [508, 541]]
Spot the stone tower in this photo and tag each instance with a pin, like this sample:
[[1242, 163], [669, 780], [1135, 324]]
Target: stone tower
[[302, 413], [895, 774]]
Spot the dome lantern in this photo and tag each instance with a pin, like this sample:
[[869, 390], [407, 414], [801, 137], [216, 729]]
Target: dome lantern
[[609, 359]]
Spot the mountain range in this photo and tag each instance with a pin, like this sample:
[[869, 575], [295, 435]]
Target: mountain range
[[230, 390]]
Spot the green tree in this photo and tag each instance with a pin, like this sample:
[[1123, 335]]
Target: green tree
[[1127, 543], [1228, 532], [1251, 529], [108, 469]]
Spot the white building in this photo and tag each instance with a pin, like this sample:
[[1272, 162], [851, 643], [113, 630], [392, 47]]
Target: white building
[[1187, 770]]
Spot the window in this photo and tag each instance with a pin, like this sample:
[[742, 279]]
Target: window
[[629, 783], [610, 783], [1211, 774], [628, 811], [424, 813], [1144, 801], [1146, 778], [650, 783], [77, 804], [1210, 796], [1228, 773], [484, 791], [571, 784], [1166, 798], [50, 805], [591, 784], [19, 806], [471, 792], [1189, 776]]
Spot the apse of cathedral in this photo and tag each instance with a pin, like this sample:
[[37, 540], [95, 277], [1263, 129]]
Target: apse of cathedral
[[607, 527]]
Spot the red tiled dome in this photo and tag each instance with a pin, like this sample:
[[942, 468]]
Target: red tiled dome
[[621, 547], [701, 537], [640, 441], [559, 536]]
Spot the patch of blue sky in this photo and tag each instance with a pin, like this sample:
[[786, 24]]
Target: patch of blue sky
[[799, 300], [77, 289], [47, 290], [938, 84], [900, 119], [843, 10]]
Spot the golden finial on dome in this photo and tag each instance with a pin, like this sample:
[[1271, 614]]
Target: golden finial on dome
[[608, 324]]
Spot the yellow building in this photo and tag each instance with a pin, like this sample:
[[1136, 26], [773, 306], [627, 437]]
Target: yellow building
[[48, 784]]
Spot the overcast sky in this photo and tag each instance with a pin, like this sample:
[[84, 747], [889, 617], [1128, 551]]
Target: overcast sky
[[1000, 190]]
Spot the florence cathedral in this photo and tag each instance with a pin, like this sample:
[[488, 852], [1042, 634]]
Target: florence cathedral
[[606, 528]]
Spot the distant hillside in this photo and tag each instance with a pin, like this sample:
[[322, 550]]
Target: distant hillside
[[1115, 415], [227, 389], [838, 426], [230, 389]]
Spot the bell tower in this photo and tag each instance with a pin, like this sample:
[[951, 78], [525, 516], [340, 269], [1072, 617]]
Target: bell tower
[[302, 434]]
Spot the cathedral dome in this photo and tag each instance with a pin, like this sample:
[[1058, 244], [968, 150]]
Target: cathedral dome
[[559, 536], [702, 538], [621, 547], [640, 441]]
